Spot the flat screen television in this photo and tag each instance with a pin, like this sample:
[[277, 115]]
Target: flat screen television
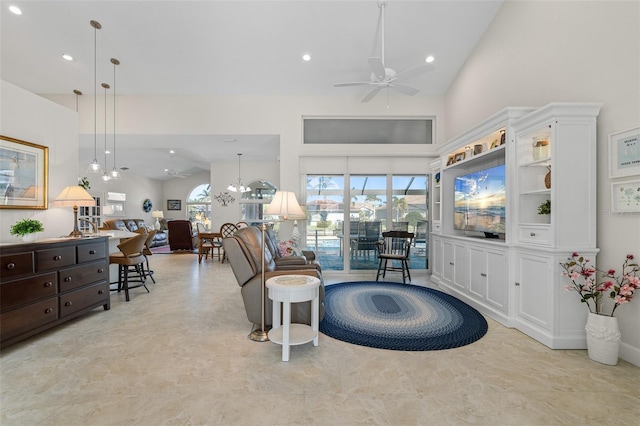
[[480, 202]]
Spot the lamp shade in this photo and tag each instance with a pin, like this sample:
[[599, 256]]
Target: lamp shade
[[286, 206], [73, 196], [157, 214]]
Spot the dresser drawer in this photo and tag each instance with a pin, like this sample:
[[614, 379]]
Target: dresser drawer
[[535, 235], [21, 320], [55, 258], [21, 292], [91, 252], [95, 295], [14, 265], [81, 275]]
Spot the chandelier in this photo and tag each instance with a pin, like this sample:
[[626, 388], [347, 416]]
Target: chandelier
[[239, 187]]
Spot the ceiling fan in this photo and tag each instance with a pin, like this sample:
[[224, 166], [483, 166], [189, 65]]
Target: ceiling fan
[[172, 172], [383, 77]]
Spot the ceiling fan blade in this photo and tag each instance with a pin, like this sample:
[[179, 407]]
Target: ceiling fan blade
[[377, 68], [404, 89], [372, 93], [414, 72], [355, 83]]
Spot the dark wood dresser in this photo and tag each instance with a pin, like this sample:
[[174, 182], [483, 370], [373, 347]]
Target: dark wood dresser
[[48, 282]]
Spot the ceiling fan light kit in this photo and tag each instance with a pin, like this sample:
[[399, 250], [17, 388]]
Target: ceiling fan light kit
[[383, 77]]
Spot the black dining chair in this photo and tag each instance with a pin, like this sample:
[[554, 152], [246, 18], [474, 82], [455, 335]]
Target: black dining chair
[[395, 247]]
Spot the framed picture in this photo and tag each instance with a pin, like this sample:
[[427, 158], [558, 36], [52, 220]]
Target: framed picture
[[625, 196], [24, 177], [174, 205], [459, 157], [624, 153], [451, 160]]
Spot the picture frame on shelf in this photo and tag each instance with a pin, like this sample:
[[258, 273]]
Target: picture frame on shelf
[[174, 205], [459, 157], [451, 160], [624, 153], [625, 196], [26, 167]]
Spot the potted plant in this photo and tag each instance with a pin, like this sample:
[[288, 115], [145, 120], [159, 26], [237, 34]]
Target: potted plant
[[27, 228], [603, 337], [545, 208]]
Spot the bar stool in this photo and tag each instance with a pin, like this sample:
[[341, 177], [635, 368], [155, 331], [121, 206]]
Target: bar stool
[[130, 256], [146, 251]]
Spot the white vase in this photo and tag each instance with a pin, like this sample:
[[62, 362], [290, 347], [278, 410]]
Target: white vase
[[29, 238], [603, 338]]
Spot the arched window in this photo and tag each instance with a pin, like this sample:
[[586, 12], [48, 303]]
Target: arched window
[[199, 206], [253, 202]]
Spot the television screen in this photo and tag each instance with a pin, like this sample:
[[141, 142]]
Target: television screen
[[480, 201]]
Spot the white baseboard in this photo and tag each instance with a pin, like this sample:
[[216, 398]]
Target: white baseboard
[[630, 354]]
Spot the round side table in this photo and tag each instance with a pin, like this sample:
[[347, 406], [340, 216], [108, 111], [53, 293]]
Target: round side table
[[285, 290]]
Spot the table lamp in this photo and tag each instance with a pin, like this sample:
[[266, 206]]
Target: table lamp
[[158, 214], [285, 205], [74, 196]]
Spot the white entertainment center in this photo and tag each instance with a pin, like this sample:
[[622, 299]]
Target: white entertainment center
[[504, 259]]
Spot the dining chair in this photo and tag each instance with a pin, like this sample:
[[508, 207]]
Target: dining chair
[[205, 245], [227, 230]]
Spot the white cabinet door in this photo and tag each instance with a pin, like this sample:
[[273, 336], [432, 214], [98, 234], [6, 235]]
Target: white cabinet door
[[534, 301], [478, 273], [461, 266], [447, 262], [436, 257], [497, 286]]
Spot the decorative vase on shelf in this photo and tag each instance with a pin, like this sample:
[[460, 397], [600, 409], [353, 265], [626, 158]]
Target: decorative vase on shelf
[[547, 178], [603, 338], [29, 238]]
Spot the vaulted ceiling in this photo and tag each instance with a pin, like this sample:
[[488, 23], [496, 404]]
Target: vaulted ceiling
[[209, 47]]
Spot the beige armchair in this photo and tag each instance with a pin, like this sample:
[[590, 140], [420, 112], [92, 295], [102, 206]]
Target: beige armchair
[[244, 253]]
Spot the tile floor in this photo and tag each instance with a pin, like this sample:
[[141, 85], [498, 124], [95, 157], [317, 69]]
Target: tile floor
[[180, 356]]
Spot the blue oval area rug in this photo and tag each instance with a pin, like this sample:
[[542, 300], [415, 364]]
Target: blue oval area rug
[[399, 317]]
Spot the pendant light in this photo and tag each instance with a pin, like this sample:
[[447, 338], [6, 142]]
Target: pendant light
[[239, 187], [95, 167], [115, 174], [105, 175]]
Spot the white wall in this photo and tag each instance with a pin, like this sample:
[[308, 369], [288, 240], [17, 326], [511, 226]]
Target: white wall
[[31, 118], [540, 52]]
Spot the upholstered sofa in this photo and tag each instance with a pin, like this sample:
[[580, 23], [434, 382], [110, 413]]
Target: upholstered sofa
[[244, 253], [159, 239]]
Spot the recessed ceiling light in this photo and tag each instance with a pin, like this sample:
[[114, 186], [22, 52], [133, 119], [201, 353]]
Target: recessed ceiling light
[[429, 59], [306, 57], [67, 57], [106, 151], [171, 151], [15, 9]]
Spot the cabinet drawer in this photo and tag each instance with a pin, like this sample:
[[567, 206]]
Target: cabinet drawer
[[535, 235], [21, 320], [97, 294], [21, 292], [81, 275], [14, 265], [90, 252], [55, 258]]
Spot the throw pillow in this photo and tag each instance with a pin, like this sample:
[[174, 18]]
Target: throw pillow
[[288, 248], [123, 228], [150, 228]]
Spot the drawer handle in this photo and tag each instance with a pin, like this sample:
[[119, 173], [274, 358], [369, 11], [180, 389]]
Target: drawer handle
[[92, 252], [48, 310], [67, 279], [68, 304], [101, 270], [11, 265], [517, 284], [532, 234], [48, 284], [482, 274], [100, 291], [58, 257]]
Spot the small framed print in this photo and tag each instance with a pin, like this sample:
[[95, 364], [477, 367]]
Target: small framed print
[[459, 157], [174, 205], [451, 160], [24, 172], [625, 196], [624, 153]]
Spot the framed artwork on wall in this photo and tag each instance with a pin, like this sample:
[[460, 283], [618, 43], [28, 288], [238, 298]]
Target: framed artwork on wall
[[25, 172], [625, 196], [624, 153], [174, 205]]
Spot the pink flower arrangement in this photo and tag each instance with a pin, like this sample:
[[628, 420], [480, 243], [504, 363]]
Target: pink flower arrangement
[[583, 281]]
